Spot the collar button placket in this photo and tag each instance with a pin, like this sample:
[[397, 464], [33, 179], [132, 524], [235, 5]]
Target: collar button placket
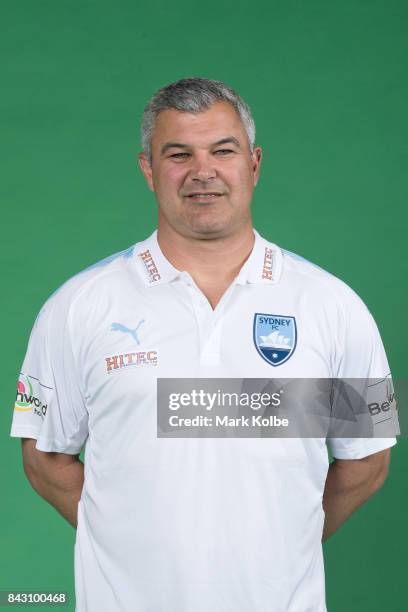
[[206, 319]]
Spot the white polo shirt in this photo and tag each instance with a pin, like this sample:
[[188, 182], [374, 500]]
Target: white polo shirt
[[192, 524]]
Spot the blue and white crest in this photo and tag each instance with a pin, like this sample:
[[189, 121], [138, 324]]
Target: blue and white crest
[[274, 337]]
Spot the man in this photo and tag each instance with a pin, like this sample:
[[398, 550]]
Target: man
[[195, 524]]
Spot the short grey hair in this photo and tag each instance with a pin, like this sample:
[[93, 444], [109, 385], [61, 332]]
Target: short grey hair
[[193, 95]]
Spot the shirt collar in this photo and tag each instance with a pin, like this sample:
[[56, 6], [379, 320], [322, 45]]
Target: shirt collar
[[263, 266]]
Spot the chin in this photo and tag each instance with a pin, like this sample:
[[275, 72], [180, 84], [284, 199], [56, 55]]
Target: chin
[[209, 228], [211, 222]]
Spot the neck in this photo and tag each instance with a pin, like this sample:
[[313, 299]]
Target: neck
[[212, 263]]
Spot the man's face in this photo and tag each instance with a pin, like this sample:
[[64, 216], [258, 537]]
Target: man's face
[[202, 172]]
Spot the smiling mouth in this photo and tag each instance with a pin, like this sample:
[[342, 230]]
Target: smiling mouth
[[204, 196]]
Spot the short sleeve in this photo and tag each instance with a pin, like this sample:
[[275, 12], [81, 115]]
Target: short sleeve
[[362, 358], [50, 404]]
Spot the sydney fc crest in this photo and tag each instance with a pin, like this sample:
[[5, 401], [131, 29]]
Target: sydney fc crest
[[274, 337]]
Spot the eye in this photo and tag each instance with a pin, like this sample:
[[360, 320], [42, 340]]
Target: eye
[[179, 155], [223, 151]]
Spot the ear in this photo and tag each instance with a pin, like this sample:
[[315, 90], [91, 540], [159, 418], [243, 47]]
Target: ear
[[146, 169], [256, 163]]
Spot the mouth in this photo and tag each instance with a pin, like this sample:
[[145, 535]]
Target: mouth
[[204, 196]]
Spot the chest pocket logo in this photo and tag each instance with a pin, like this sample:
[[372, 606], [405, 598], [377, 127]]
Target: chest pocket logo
[[275, 337], [127, 330]]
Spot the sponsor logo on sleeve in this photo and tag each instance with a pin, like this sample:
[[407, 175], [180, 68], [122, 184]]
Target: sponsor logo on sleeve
[[27, 397], [381, 398]]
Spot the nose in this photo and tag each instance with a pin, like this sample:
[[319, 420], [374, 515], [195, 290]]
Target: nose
[[203, 169]]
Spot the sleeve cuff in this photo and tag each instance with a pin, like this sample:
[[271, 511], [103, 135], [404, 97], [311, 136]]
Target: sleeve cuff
[[363, 448], [70, 447]]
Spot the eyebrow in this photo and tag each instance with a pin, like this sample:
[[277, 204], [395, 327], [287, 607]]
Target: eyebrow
[[180, 145]]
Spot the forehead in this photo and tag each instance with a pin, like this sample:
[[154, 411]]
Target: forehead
[[216, 122]]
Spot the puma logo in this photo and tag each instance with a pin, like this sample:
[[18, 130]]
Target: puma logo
[[127, 330]]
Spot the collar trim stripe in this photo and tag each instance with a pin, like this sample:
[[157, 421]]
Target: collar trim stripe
[[263, 266]]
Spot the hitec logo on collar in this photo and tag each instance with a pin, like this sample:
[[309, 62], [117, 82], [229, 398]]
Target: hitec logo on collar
[[275, 337], [267, 264], [150, 267]]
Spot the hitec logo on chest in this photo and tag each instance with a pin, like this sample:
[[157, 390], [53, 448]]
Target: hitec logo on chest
[[129, 359], [126, 360]]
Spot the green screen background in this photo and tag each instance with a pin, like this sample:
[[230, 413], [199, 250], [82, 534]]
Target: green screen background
[[327, 83]]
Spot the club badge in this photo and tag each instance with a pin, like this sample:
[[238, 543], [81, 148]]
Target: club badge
[[275, 337]]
